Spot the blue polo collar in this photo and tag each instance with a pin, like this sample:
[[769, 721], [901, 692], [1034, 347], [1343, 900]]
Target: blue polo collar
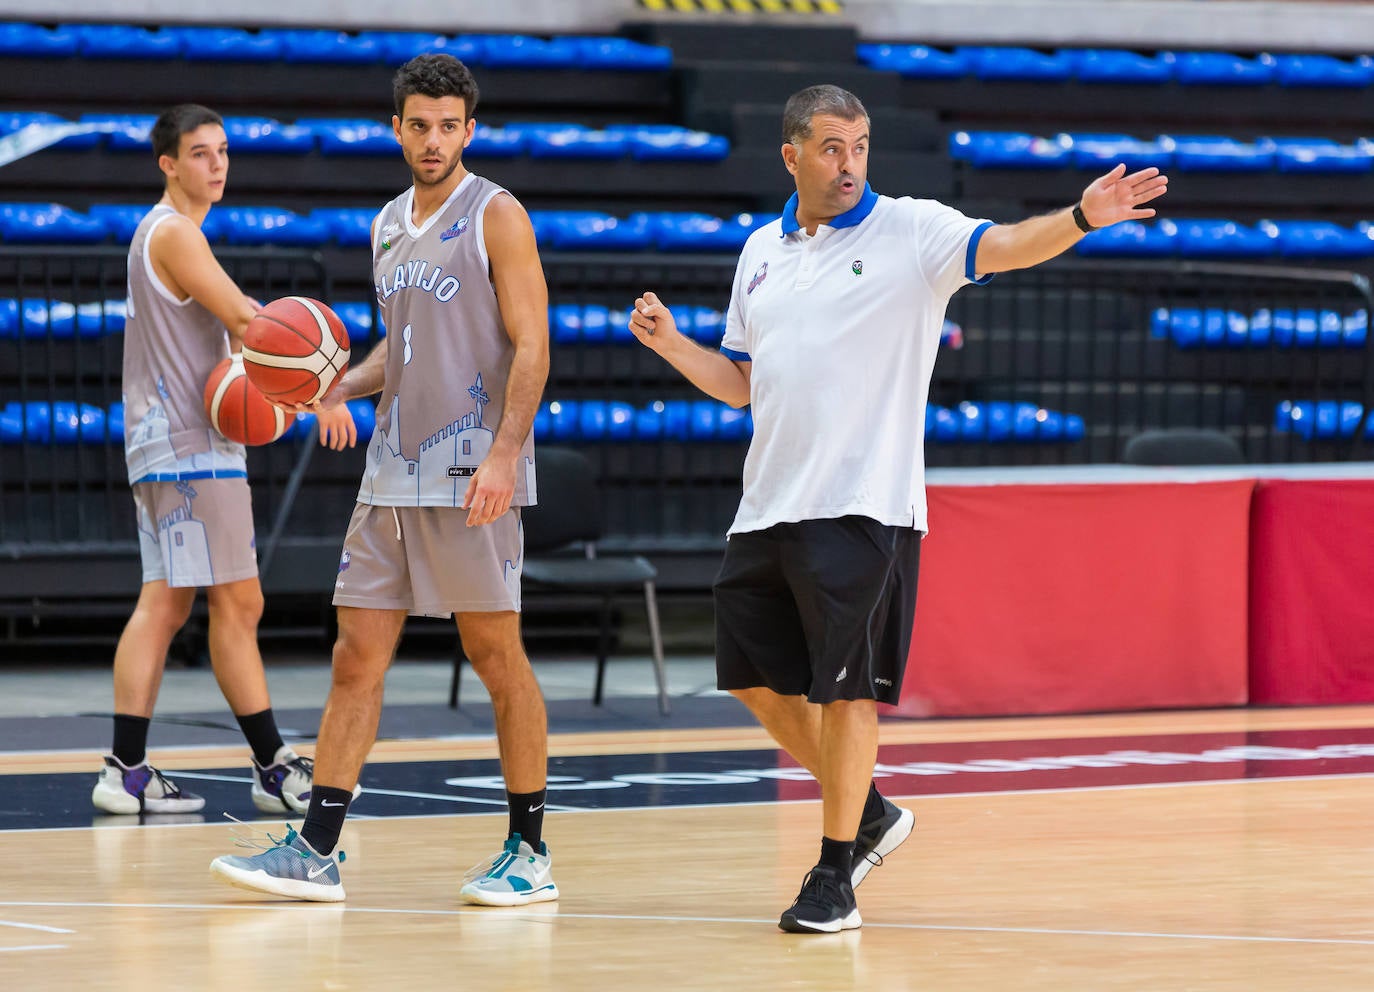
[[854, 215]]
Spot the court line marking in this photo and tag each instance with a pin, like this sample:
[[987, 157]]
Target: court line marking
[[915, 797], [34, 926], [445, 797], [645, 918], [34, 947]]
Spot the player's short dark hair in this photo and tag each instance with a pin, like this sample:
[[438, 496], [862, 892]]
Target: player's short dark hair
[[824, 99], [176, 121], [434, 76]]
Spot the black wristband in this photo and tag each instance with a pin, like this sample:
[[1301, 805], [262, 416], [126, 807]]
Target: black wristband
[[1080, 220]]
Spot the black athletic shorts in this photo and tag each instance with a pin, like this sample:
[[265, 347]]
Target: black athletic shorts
[[820, 608]]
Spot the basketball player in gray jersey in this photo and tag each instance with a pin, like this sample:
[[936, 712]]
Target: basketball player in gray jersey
[[437, 527], [195, 518]]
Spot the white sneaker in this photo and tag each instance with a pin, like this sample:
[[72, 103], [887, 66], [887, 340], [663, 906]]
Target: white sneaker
[[140, 789], [517, 876], [284, 785]]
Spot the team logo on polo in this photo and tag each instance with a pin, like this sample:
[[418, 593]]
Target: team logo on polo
[[857, 266], [459, 226], [760, 274]]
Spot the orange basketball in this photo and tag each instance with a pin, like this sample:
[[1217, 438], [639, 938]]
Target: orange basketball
[[237, 410], [295, 349]]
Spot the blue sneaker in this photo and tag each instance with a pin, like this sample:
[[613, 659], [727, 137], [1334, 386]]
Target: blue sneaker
[[517, 876], [290, 868]]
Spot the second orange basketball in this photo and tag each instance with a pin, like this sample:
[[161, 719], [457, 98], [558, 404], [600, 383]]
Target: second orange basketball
[[295, 349]]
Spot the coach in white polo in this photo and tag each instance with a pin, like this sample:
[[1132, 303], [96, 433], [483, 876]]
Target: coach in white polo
[[832, 336]]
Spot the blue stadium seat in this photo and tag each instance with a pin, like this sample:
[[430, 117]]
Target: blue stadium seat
[[128, 132], [916, 61], [697, 232], [649, 144], [356, 317], [272, 226], [265, 136], [351, 137], [122, 41], [621, 55], [12, 121], [399, 47], [1212, 153], [1317, 239], [1322, 419], [1320, 155], [586, 230], [114, 423], [1131, 239], [48, 223], [516, 51], [318, 46], [570, 141], [1207, 238], [122, 219], [1104, 65], [575, 323], [34, 41], [62, 422], [1321, 70], [1222, 69], [1008, 150], [495, 142], [1105, 151], [348, 226], [999, 63], [39, 318], [1194, 328], [205, 44]]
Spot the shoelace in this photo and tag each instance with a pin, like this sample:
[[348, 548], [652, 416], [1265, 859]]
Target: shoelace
[[306, 766], [169, 790], [251, 838], [484, 867], [820, 889]]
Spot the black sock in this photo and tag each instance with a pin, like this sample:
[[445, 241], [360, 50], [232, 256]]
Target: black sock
[[527, 816], [324, 819], [837, 854], [130, 739], [263, 738], [873, 806]]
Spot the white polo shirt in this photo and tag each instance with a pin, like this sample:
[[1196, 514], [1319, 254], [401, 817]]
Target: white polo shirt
[[842, 329]]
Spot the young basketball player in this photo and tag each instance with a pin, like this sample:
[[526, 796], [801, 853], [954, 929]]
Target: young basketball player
[[195, 519], [832, 333], [437, 526]]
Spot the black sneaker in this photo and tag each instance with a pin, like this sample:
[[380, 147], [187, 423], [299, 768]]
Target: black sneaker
[[825, 904], [879, 838]]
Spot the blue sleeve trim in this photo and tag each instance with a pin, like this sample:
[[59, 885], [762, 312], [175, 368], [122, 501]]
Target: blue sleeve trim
[[183, 476], [735, 356], [971, 259]]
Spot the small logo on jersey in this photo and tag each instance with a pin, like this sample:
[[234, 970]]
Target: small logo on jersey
[[461, 471], [760, 274], [857, 267], [386, 232], [843, 672], [459, 226], [344, 560]]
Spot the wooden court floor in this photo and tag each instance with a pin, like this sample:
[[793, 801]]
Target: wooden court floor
[[1247, 885]]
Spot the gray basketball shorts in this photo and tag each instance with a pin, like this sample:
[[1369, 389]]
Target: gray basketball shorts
[[196, 532], [427, 561]]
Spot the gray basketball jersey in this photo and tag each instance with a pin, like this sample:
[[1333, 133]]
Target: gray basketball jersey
[[170, 348], [448, 355]]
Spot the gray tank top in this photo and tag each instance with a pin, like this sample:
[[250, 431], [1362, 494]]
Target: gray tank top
[[448, 355], [170, 347]]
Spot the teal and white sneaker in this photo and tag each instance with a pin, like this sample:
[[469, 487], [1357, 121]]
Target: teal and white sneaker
[[517, 876], [290, 868]]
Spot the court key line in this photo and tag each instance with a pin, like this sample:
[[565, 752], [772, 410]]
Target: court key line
[[33, 926], [449, 797], [552, 917], [34, 947]]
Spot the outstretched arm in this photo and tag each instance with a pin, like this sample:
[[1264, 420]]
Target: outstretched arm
[[1108, 200], [713, 373]]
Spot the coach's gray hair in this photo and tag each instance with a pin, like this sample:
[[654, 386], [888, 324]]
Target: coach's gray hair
[[823, 99]]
